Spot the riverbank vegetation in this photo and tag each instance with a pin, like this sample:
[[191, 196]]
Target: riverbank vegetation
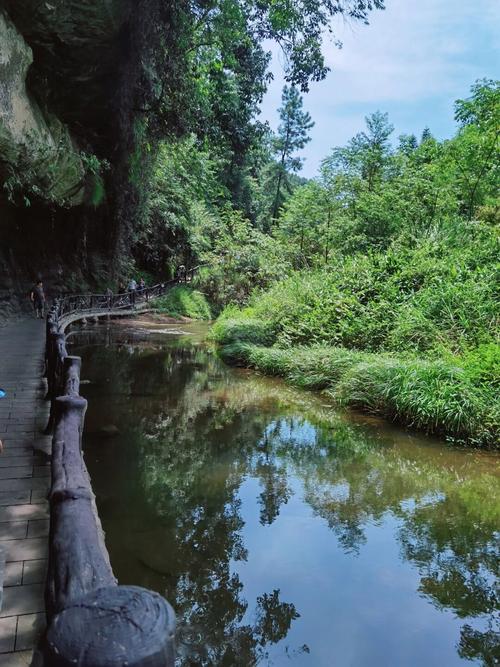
[[390, 295], [183, 301], [376, 281]]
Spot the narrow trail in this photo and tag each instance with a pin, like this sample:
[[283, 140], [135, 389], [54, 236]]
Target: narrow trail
[[25, 466], [24, 482]]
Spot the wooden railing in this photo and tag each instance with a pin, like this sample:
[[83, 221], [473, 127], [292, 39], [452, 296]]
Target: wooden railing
[[91, 620], [89, 303]]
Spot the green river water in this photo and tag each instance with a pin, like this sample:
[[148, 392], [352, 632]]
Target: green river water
[[281, 531]]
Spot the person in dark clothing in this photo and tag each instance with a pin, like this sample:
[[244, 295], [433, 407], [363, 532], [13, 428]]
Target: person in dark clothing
[[181, 273], [37, 297]]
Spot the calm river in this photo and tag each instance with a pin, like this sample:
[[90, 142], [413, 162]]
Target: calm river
[[283, 532]]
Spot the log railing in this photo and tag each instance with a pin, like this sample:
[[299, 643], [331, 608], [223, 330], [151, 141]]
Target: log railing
[[89, 303], [91, 620]]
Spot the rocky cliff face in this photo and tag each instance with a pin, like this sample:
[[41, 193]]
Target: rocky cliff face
[[67, 69], [38, 153]]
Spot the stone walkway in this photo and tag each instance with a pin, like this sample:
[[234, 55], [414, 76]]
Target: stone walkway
[[24, 482]]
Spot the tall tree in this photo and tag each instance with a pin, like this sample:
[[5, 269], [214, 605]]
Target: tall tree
[[476, 148], [302, 225], [408, 143], [372, 147], [362, 163], [292, 136], [426, 135]]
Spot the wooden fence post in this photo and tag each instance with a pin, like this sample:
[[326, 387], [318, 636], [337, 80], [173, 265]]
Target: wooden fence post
[[71, 371], [111, 627], [55, 373], [92, 621]]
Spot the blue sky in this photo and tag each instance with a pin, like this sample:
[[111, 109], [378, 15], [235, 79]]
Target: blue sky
[[413, 60]]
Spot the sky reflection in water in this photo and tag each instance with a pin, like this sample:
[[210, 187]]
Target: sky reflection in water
[[283, 533]]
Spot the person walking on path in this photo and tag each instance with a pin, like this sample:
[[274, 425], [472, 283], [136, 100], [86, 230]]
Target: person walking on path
[[181, 273], [109, 297], [132, 288], [37, 297]]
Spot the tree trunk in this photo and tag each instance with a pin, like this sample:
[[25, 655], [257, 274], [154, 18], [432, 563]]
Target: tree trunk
[[327, 248], [277, 197], [284, 153]]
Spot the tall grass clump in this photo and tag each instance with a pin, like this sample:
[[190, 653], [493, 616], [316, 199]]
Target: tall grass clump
[[432, 396], [183, 301], [410, 334], [235, 326], [320, 366]]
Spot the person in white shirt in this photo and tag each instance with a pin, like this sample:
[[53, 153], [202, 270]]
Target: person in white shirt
[[132, 288]]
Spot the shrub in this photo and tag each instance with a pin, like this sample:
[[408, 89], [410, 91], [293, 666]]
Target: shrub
[[242, 329], [438, 294], [482, 365], [182, 301]]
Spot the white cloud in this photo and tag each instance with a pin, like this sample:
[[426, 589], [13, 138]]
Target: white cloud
[[414, 48], [413, 59]]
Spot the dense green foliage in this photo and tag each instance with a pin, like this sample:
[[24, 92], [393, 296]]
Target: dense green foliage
[[183, 301], [204, 71], [377, 280], [436, 294], [291, 137], [391, 295]]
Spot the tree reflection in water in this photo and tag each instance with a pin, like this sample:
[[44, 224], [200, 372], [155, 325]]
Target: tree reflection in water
[[198, 430]]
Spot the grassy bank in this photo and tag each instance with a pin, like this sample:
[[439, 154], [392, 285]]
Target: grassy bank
[[409, 333], [453, 395], [435, 396], [183, 301]]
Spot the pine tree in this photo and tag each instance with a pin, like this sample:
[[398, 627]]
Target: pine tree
[[291, 137], [371, 148], [408, 143], [426, 135]]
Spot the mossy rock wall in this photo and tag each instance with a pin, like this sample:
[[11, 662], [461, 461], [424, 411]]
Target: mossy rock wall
[[68, 78], [37, 152]]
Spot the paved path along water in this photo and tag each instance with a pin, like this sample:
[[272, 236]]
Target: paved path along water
[[24, 482]]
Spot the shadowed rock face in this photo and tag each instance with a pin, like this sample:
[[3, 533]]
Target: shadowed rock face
[[68, 69], [37, 147], [59, 67], [79, 49]]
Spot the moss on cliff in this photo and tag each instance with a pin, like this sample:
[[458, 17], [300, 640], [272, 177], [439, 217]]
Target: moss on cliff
[[37, 153]]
